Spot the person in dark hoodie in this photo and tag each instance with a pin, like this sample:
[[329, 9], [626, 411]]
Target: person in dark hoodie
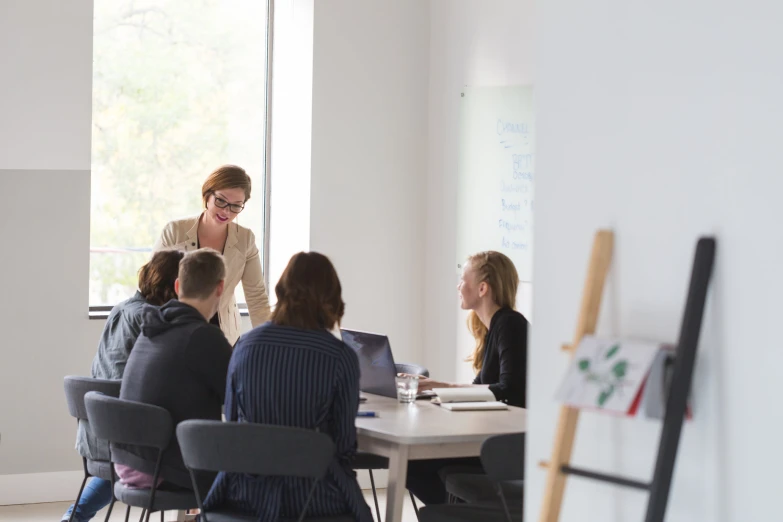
[[179, 362], [122, 328]]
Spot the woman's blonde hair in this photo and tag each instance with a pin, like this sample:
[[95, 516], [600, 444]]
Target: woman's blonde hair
[[499, 272]]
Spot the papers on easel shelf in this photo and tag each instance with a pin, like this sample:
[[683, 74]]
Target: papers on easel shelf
[[608, 374], [467, 399], [654, 394]]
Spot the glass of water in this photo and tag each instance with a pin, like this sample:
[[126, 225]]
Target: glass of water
[[407, 388]]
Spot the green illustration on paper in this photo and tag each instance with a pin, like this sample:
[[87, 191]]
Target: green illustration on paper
[[610, 378]]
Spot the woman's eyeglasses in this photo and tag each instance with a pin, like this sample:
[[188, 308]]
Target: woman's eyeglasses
[[222, 203]]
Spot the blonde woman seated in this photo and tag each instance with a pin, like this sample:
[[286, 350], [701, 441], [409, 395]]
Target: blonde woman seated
[[488, 288]]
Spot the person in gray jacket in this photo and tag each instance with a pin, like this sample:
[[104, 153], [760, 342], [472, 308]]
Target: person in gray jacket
[[123, 327]]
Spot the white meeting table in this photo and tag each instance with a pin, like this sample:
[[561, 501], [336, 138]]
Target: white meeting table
[[422, 430]]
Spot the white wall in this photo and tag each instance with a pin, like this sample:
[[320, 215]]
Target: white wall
[[368, 155], [662, 120], [46, 67], [473, 43], [46, 64]]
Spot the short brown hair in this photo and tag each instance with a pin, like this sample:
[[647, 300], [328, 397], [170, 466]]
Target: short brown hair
[[156, 278], [200, 272], [309, 294], [226, 177]]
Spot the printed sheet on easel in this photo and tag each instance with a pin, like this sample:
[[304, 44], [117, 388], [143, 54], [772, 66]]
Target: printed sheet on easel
[[607, 374]]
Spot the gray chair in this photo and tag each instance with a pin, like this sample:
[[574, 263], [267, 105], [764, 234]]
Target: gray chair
[[256, 449], [498, 494], [75, 389], [477, 488], [370, 461], [503, 459], [126, 422], [469, 513]]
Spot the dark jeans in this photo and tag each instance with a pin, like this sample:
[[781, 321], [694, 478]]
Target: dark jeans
[[425, 477]]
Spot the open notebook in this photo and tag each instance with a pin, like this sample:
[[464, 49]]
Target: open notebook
[[466, 399]]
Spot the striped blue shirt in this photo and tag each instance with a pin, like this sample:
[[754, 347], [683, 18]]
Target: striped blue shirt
[[300, 378]]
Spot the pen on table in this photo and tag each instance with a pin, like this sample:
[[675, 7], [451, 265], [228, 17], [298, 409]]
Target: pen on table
[[366, 414]]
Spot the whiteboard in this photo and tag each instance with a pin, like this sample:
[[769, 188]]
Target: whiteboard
[[495, 179]]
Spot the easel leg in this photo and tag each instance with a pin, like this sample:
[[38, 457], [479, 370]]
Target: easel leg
[[677, 401], [600, 259], [561, 454]]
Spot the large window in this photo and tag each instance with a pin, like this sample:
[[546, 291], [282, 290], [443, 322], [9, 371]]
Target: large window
[[179, 88]]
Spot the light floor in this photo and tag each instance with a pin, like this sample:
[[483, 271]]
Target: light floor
[[53, 511]]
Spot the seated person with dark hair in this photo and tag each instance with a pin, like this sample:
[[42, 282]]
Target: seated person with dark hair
[[122, 328], [293, 372], [179, 363]]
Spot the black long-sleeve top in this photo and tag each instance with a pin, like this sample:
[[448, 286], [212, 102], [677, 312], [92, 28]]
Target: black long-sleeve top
[[505, 357]]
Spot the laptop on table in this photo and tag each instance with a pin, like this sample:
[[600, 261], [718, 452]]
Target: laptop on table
[[376, 363]]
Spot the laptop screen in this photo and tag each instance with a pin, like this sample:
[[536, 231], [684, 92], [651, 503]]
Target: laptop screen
[[376, 362]]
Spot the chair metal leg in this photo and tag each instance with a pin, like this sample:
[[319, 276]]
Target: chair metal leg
[[202, 514], [143, 512], [127, 514], [111, 506], [161, 515], [415, 507], [505, 504], [113, 482], [153, 489], [79, 496], [375, 496]]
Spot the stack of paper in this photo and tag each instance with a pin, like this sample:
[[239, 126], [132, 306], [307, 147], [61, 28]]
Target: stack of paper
[[465, 399]]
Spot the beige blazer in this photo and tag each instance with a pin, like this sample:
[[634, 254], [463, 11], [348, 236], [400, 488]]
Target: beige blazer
[[242, 264]]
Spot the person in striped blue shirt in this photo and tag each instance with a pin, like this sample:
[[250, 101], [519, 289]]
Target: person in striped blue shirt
[[291, 371]]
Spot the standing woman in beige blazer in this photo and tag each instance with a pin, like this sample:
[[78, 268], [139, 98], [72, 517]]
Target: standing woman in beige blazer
[[225, 193]]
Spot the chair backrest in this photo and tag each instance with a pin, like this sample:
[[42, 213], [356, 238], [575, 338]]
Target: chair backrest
[[76, 387], [258, 449], [503, 457], [128, 422], [413, 369]]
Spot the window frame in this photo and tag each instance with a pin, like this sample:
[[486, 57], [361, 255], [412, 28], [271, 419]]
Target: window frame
[[101, 312]]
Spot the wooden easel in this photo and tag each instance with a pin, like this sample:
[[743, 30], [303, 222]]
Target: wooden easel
[[676, 403], [600, 259]]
